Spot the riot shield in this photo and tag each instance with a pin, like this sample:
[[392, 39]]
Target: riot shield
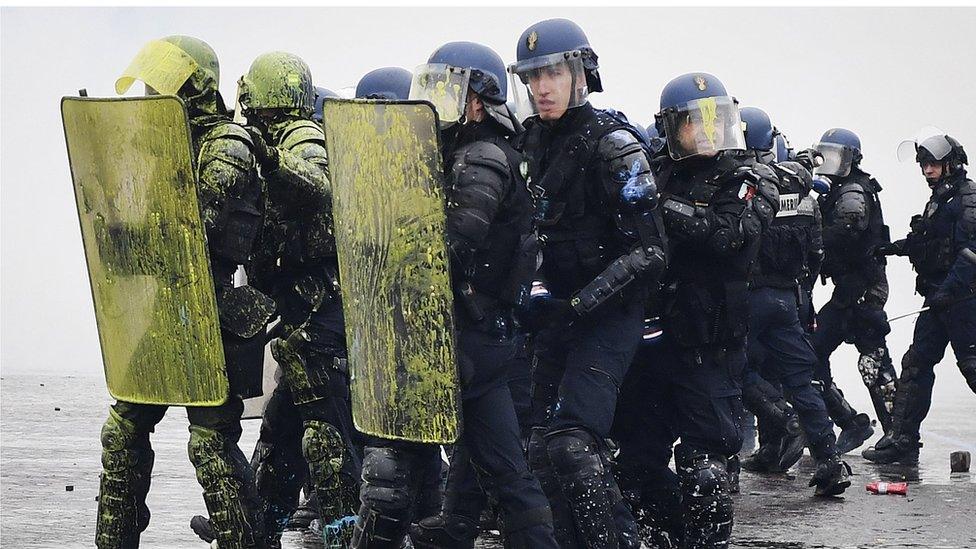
[[388, 203], [155, 307]]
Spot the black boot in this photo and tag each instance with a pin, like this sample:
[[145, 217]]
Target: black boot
[[832, 477], [307, 511], [893, 449], [764, 460], [443, 532]]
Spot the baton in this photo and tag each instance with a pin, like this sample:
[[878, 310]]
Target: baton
[[929, 308]]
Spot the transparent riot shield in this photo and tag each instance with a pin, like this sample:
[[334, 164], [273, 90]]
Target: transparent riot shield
[[132, 168], [388, 205]]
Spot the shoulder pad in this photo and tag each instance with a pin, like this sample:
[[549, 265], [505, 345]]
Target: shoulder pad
[[228, 129], [794, 176], [618, 143], [484, 153], [967, 194], [301, 131], [968, 188], [766, 173], [228, 142]]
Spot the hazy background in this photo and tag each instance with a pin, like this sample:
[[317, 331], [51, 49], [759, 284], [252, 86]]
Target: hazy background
[[883, 73]]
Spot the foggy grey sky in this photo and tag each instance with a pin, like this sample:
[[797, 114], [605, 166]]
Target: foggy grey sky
[[883, 73]]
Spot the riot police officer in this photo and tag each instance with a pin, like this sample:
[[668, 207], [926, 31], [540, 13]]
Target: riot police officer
[[852, 227], [717, 202], [791, 250], [300, 270], [492, 249], [602, 247], [941, 248], [231, 199], [493, 246]]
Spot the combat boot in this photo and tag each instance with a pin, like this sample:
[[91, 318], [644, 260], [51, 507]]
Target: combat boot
[[306, 512], [832, 477], [763, 460], [892, 449], [854, 434], [443, 531]]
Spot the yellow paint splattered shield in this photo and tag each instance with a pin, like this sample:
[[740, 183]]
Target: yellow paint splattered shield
[[388, 203], [144, 243]]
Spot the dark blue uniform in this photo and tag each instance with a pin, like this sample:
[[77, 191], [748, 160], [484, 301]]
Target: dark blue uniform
[[940, 247], [692, 379], [594, 247], [852, 227]]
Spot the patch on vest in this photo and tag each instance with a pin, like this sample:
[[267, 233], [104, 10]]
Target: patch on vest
[[789, 205]]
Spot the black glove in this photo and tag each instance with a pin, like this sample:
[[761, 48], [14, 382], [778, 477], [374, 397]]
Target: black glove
[[809, 158], [266, 156]]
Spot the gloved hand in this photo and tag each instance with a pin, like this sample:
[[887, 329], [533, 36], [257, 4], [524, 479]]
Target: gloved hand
[[809, 158], [883, 250], [266, 156]]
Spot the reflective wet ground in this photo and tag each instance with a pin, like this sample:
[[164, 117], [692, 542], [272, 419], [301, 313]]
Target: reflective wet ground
[[49, 465]]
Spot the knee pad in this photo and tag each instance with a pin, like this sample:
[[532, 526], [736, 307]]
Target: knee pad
[[207, 451], [120, 443], [386, 480], [876, 368], [323, 442], [324, 450], [573, 452], [225, 479], [700, 473]]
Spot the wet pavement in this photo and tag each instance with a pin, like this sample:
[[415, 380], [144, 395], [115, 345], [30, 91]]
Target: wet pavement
[[44, 450]]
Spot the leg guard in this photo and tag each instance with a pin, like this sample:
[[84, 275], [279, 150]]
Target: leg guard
[[384, 516], [839, 409], [227, 481], [772, 410], [278, 465], [127, 462], [878, 374], [579, 468], [967, 365], [706, 500], [912, 397], [324, 449], [541, 467]]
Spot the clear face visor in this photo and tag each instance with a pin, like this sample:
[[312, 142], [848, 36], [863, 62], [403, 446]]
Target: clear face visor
[[547, 86], [444, 86], [704, 127], [837, 159], [931, 139], [160, 65]]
